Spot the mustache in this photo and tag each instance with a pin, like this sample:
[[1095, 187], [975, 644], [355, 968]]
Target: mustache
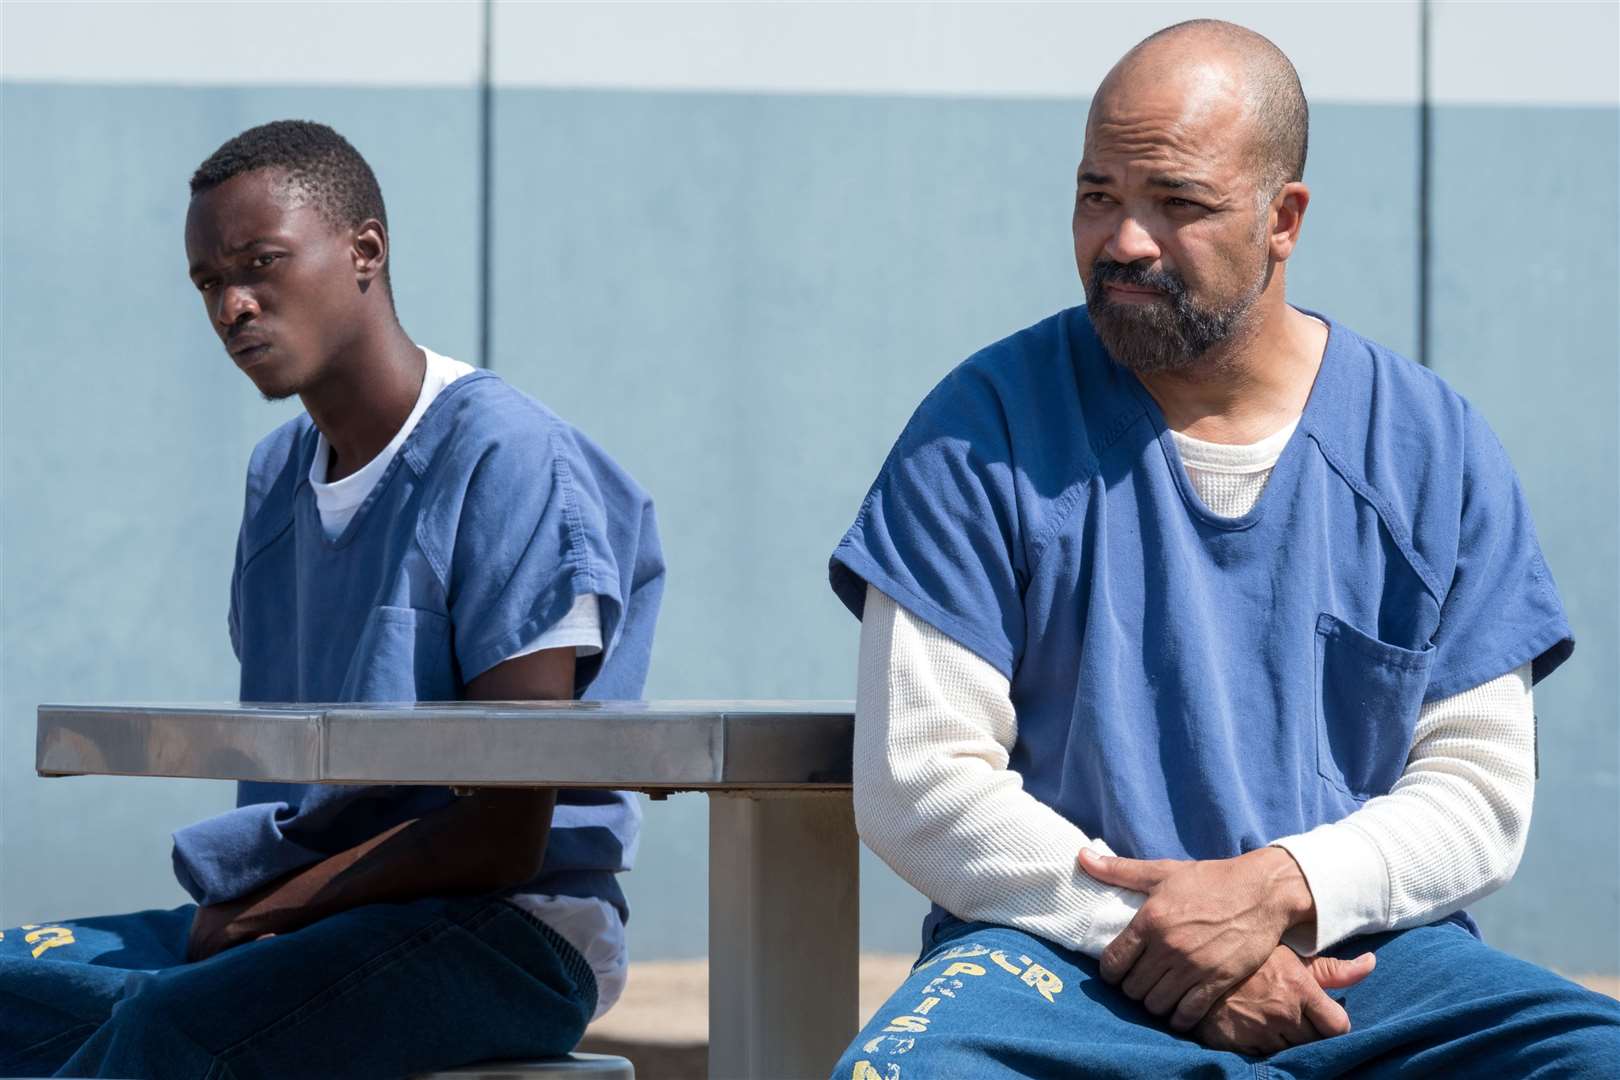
[[1106, 271]]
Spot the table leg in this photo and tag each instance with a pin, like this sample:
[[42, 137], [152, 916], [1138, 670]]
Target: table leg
[[784, 929]]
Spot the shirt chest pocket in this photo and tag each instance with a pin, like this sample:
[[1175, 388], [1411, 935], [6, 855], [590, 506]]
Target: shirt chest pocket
[[1368, 693], [402, 654]]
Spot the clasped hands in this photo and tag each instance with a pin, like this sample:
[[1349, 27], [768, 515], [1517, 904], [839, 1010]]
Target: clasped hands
[[1204, 951]]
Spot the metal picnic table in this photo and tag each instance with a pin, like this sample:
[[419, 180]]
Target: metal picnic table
[[783, 870]]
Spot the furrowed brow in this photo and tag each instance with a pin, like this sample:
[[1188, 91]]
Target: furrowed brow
[[235, 249], [1177, 183]]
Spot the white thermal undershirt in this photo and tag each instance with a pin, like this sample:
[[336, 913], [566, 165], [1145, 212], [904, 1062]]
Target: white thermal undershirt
[[934, 797], [589, 925], [339, 501]]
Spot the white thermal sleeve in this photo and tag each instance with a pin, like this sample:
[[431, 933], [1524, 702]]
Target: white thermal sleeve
[[934, 798], [1451, 830]]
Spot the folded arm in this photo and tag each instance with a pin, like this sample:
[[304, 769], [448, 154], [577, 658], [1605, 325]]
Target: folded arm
[[936, 801], [934, 798], [1451, 831], [492, 839]]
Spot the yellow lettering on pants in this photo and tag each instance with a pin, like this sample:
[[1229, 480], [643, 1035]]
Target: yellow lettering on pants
[[1042, 980], [864, 1071], [48, 937], [953, 953], [962, 967], [908, 1023], [1001, 961], [901, 1044]]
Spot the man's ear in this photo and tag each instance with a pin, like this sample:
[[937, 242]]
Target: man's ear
[[1287, 216], [370, 251]]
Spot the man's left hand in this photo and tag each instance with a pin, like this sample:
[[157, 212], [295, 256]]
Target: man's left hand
[[1283, 1004], [1205, 927]]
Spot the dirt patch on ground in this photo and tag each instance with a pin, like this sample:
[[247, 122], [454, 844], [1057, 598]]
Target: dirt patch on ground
[[1603, 984]]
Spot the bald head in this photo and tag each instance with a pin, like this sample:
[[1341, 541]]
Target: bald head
[[1217, 65]]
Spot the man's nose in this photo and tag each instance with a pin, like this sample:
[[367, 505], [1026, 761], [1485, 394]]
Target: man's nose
[[1131, 242], [235, 304]]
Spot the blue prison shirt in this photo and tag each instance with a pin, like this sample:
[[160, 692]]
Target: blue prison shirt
[[494, 515], [1188, 685]]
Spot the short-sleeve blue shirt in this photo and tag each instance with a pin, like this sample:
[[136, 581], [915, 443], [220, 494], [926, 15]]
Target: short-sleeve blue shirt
[[1189, 685], [493, 516]]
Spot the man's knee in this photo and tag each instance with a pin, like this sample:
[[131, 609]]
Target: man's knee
[[1570, 1031], [145, 1035]]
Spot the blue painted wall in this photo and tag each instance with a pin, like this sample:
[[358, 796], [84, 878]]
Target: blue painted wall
[[125, 429], [1526, 215], [743, 296]]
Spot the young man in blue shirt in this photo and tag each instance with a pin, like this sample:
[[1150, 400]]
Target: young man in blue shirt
[[1197, 642], [422, 532]]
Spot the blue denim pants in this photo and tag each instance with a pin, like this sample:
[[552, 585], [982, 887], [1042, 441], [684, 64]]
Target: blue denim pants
[[990, 1002], [380, 991]]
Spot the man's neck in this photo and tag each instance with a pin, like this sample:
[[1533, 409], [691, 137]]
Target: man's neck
[[1248, 387], [363, 403]]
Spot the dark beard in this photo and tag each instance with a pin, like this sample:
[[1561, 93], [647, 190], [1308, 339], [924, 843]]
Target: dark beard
[[1170, 336]]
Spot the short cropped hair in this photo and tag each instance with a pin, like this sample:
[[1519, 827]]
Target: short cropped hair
[[321, 165], [1281, 113]]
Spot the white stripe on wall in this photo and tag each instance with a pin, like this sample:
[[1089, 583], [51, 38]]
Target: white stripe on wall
[[243, 42], [1526, 53], [1346, 50]]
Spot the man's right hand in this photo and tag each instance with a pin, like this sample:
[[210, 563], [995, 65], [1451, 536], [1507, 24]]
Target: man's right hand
[[1283, 1004]]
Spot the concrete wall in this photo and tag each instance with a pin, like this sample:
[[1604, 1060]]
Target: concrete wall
[[736, 244]]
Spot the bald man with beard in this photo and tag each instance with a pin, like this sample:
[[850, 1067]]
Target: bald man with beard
[[1197, 643]]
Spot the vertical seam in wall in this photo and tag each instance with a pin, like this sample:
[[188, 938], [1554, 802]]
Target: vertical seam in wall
[[486, 184], [1425, 248]]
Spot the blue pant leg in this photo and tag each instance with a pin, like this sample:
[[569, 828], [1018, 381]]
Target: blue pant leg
[[59, 981], [1443, 1003], [992, 1002], [380, 991]]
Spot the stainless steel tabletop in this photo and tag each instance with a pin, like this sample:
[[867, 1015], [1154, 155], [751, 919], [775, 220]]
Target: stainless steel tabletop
[[784, 871], [642, 745]]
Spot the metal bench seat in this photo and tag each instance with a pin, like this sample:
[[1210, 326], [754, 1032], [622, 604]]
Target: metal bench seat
[[572, 1067]]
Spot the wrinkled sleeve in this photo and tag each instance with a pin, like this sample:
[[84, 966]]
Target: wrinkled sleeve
[[223, 857], [935, 799], [1451, 831], [533, 535], [1501, 609], [280, 828], [939, 531]]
